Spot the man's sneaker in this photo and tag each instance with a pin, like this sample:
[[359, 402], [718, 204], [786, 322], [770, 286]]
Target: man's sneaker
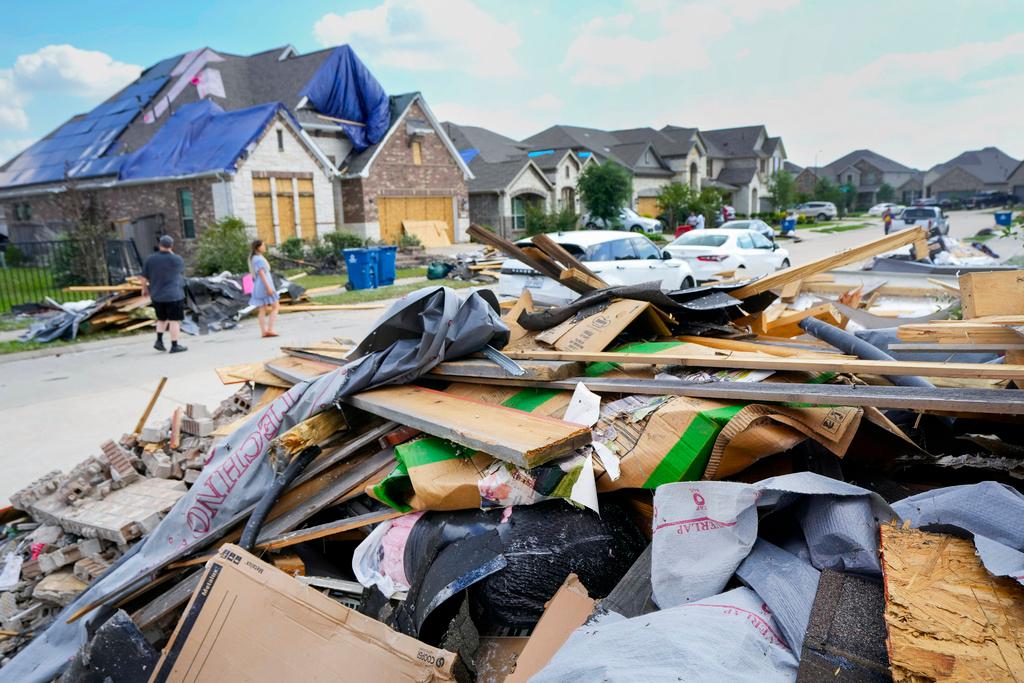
[[159, 346], [178, 348]]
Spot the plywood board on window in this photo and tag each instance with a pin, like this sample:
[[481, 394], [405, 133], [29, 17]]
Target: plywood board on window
[[285, 212], [265, 218], [392, 211]]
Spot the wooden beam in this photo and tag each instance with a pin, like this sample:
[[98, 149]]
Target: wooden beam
[[964, 333], [479, 367], [734, 362], [515, 436], [990, 402], [753, 347], [329, 529], [882, 290], [149, 406], [864, 251], [992, 293], [947, 617], [558, 253], [788, 324], [312, 431], [958, 348], [580, 279]]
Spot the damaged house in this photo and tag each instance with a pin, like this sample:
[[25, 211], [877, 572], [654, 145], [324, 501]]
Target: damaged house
[[294, 145]]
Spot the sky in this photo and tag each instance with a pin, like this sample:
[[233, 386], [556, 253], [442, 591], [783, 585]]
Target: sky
[[918, 81]]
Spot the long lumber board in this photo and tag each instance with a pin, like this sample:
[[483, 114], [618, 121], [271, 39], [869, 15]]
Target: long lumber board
[[964, 333], [947, 617], [750, 362], [873, 248], [962, 401], [512, 435], [754, 347]]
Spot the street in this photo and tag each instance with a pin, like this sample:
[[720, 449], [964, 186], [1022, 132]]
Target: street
[[58, 408]]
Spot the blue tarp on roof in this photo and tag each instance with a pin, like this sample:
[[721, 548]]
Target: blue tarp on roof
[[344, 88], [199, 138], [75, 149], [469, 154]]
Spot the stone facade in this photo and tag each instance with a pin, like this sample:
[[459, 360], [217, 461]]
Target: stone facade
[[955, 183], [393, 173]]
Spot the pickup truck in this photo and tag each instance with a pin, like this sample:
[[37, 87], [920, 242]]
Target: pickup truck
[[930, 217]]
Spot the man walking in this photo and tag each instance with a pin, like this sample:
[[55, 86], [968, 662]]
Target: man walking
[[698, 223], [163, 276]]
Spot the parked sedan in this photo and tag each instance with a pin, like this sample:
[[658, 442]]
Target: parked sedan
[[879, 209], [710, 252], [628, 220], [754, 224], [619, 259]]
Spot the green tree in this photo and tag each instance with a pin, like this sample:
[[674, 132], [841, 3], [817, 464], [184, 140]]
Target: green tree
[[223, 246], [782, 190], [886, 193], [538, 222], [709, 203], [676, 201], [605, 189], [827, 191]]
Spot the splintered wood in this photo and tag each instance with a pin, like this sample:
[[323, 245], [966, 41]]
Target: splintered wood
[[948, 619]]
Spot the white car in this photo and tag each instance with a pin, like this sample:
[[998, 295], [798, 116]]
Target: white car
[[619, 259], [628, 220], [879, 209], [753, 224], [819, 211], [711, 252]]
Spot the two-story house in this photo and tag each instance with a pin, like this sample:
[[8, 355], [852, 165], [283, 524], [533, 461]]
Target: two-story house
[[867, 171], [741, 161], [970, 172]]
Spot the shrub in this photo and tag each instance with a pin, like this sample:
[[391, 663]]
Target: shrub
[[223, 246], [538, 222], [320, 251], [409, 241], [294, 248], [343, 240]]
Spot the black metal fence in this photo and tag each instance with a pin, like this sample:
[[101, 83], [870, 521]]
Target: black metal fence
[[35, 270]]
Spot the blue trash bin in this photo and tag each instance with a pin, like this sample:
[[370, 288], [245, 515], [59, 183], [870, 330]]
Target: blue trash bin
[[386, 257], [1004, 218], [788, 225], [361, 265]]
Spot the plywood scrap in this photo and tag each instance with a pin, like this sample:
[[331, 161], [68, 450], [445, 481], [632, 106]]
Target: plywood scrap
[[250, 372], [515, 436], [429, 233], [947, 618], [992, 293], [578, 277], [963, 332], [788, 324]]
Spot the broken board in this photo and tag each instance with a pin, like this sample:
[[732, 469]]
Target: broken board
[[947, 618], [429, 233]]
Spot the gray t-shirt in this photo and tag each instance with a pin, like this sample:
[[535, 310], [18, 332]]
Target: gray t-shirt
[[166, 274]]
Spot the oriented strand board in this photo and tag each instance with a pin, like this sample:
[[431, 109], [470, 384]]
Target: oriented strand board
[[948, 619]]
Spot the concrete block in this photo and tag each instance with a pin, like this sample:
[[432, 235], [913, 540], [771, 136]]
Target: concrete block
[[153, 434], [126, 513], [197, 426], [158, 464], [88, 568], [197, 411]]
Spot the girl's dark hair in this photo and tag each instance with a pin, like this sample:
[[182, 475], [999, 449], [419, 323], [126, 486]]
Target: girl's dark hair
[[256, 244]]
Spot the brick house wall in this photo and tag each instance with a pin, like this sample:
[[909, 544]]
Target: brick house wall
[[955, 183], [393, 174]]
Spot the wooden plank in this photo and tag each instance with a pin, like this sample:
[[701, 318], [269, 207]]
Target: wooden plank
[[830, 288], [329, 529], [735, 361], [515, 436], [990, 402], [487, 237], [104, 288], [957, 348], [149, 406], [790, 291], [312, 431], [753, 347], [788, 325], [580, 279], [966, 333], [781, 277], [167, 602], [949, 287], [993, 293], [947, 618], [138, 325], [479, 367], [558, 252], [921, 250]]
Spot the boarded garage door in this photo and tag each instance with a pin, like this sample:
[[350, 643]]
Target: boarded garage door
[[647, 206], [264, 210], [393, 210]]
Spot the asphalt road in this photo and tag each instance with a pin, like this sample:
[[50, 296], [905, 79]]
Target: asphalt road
[[57, 409]]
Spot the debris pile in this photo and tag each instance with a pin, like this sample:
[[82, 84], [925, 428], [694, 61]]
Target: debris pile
[[482, 266], [721, 483]]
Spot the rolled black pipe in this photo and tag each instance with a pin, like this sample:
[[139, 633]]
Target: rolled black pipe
[[281, 482], [848, 343]]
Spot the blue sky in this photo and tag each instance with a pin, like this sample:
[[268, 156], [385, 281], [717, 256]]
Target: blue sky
[[916, 80]]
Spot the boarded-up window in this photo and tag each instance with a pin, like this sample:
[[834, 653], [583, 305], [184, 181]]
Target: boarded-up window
[[417, 154], [285, 208], [264, 210], [307, 208]]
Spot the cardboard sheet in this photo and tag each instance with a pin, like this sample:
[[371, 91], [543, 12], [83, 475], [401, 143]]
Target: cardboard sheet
[[248, 621]]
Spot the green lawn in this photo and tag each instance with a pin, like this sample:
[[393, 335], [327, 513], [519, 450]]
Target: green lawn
[[15, 346], [339, 280], [845, 228], [365, 295], [9, 323]]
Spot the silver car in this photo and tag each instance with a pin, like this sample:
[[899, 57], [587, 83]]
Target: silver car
[[930, 218], [753, 224], [819, 211]]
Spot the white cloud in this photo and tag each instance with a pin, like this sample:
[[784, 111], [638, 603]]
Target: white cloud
[[12, 103], [511, 121], [742, 53], [65, 69], [546, 102], [612, 50], [10, 147], [429, 35]]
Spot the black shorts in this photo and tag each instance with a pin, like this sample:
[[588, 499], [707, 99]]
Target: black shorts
[[170, 310]]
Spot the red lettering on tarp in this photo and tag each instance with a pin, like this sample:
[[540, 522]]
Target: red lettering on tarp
[[685, 526], [760, 624]]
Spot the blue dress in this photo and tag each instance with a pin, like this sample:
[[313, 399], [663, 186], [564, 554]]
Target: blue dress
[[260, 296]]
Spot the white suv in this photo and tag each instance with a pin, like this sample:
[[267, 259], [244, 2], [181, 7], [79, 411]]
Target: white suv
[[628, 220], [819, 211]]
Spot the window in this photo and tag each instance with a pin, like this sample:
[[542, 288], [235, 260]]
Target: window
[[518, 213], [745, 242], [615, 250], [764, 165], [566, 171], [188, 223], [849, 179], [644, 248], [417, 154], [23, 212], [700, 238], [760, 241], [708, 173], [280, 140], [647, 157]]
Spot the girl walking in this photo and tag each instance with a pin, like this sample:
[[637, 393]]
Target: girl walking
[[264, 295]]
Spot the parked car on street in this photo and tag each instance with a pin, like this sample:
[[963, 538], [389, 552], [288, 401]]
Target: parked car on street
[[946, 203], [752, 224], [710, 252], [991, 198], [819, 211], [930, 217], [619, 259], [879, 209], [628, 220]]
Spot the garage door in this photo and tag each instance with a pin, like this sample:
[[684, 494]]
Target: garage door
[[392, 211], [647, 206]]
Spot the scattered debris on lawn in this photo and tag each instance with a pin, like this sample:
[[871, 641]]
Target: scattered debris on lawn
[[732, 482]]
